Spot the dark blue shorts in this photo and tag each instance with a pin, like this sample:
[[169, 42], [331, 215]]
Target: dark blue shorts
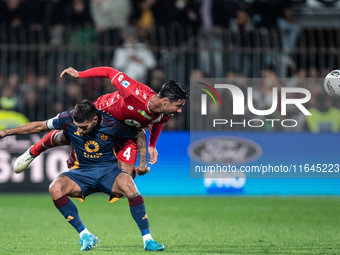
[[95, 179]]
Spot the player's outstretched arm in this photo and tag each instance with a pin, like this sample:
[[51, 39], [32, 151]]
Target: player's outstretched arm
[[29, 128], [141, 145], [71, 71], [95, 72]]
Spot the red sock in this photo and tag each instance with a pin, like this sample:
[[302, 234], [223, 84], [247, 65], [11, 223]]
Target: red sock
[[44, 144]]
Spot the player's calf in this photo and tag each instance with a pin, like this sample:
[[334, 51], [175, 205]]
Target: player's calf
[[124, 185], [138, 212], [70, 212]]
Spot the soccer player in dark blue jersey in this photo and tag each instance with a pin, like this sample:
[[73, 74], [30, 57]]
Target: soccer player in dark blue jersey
[[93, 166]]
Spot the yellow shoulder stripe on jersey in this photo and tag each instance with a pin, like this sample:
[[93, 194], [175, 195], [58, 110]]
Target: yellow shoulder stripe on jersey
[[106, 112], [101, 123], [76, 163]]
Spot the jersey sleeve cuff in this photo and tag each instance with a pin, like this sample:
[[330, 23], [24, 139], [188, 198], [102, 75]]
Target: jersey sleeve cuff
[[49, 123]]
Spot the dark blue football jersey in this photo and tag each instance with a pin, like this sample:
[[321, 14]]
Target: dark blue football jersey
[[96, 147]]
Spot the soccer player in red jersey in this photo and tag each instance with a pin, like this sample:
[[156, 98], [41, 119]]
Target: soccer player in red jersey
[[134, 104]]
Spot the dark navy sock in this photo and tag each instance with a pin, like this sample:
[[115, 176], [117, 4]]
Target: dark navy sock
[[138, 212], [70, 212]]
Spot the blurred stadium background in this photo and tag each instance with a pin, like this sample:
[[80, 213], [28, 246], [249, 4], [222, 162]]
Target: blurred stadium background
[[176, 39], [153, 41]]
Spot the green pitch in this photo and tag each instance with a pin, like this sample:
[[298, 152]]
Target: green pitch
[[30, 224]]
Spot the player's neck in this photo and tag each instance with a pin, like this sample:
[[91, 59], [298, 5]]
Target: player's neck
[[155, 104]]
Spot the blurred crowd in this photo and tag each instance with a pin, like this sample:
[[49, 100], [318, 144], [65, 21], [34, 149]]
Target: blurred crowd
[[108, 19], [134, 36]]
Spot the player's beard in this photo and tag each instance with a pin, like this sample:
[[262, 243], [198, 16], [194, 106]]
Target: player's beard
[[169, 115]]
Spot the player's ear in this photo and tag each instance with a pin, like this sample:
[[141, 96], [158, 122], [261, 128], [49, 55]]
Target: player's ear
[[95, 118], [166, 100]]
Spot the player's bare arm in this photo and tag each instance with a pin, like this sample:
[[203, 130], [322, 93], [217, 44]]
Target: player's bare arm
[[29, 128], [70, 71], [129, 168], [141, 145]]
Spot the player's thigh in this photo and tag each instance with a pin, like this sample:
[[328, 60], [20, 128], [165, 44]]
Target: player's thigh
[[124, 185], [126, 151], [130, 169], [63, 185]]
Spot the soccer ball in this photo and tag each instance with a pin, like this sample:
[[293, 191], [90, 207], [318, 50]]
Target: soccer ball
[[332, 83]]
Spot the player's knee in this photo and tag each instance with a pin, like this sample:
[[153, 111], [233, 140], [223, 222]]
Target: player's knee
[[59, 139], [55, 188], [131, 187], [127, 185]]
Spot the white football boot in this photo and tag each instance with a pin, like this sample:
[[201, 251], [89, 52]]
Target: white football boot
[[23, 161]]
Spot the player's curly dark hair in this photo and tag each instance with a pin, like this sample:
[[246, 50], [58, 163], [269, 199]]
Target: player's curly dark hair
[[83, 111], [174, 91]]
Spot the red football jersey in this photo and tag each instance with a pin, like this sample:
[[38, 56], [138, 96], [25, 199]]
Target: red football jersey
[[130, 104]]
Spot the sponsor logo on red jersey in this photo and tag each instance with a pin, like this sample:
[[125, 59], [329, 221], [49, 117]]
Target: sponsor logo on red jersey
[[125, 84], [143, 113], [120, 78]]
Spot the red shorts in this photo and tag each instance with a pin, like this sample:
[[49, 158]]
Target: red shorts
[[126, 150]]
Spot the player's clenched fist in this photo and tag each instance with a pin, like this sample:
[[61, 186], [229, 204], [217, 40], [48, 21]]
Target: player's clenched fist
[[2, 134], [71, 71], [142, 170]]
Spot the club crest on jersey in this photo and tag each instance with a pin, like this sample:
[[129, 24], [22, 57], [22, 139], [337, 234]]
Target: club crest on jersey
[[104, 137], [131, 122], [144, 114], [125, 83]]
